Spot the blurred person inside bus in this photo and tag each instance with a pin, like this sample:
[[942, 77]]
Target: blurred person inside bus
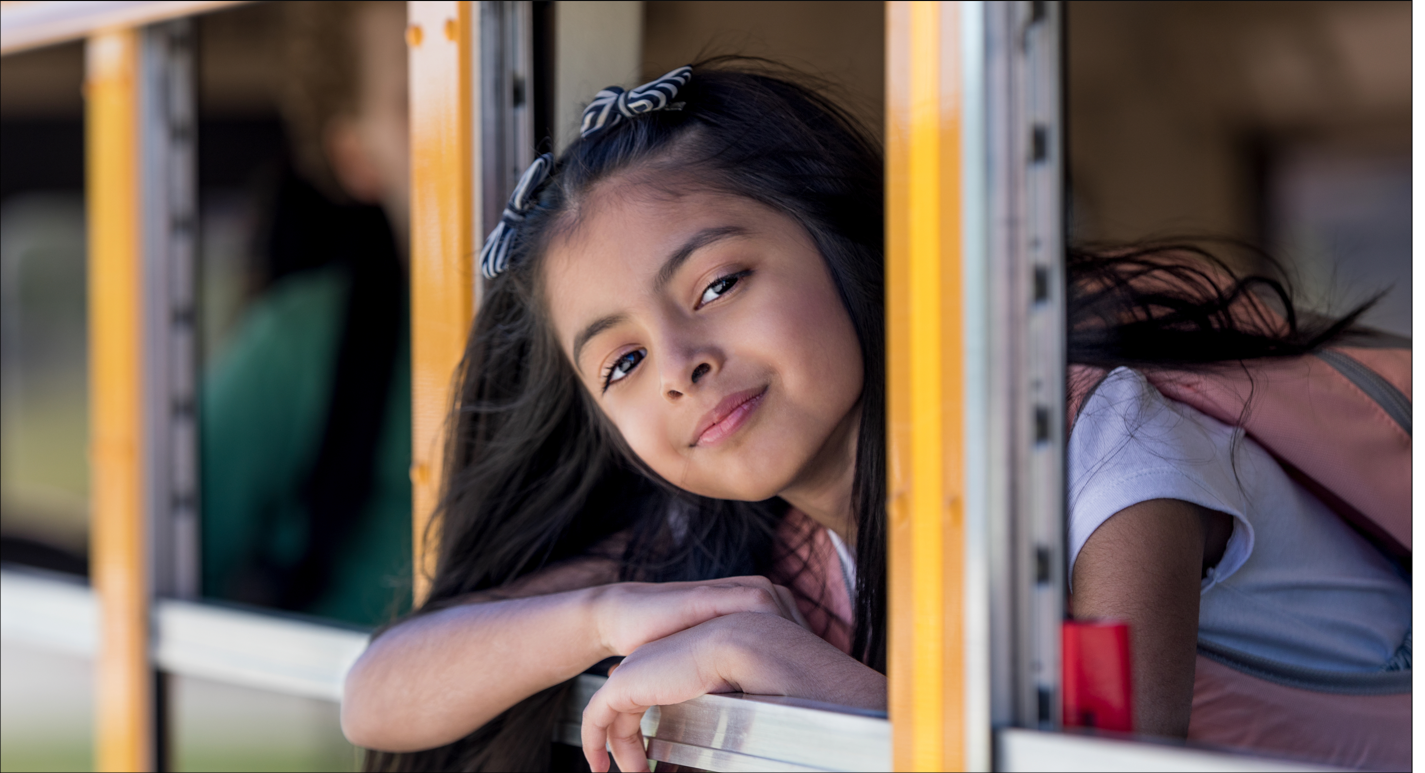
[[305, 415]]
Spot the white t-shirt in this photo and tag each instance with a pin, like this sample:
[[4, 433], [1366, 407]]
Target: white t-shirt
[[1296, 584]]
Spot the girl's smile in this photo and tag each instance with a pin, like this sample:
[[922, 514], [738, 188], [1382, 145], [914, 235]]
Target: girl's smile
[[729, 415], [709, 331]]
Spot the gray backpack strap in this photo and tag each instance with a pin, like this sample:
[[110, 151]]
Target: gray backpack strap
[[1391, 400]]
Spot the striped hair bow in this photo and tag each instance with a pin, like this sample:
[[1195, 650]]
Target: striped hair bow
[[613, 104], [495, 255]]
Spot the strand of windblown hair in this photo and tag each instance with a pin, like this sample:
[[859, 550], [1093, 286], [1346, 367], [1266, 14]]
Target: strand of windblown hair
[[495, 255], [613, 104]]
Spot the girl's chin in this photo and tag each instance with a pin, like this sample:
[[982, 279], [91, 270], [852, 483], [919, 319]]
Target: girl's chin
[[741, 472], [738, 485]]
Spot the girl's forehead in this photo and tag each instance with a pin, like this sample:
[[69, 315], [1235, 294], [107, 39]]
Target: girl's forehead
[[628, 227]]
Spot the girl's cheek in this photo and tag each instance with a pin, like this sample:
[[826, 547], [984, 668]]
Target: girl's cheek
[[646, 435]]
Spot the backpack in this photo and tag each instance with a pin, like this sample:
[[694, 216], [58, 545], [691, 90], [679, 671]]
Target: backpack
[[1338, 422]]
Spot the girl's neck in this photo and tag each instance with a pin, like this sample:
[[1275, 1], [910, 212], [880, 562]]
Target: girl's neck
[[823, 490]]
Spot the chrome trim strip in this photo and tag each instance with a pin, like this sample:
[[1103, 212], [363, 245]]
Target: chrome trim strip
[[503, 59], [982, 403], [168, 101], [1024, 147], [742, 732]]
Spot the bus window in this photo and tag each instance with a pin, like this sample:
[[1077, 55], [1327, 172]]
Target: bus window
[[841, 42], [1297, 109], [303, 350], [1277, 138], [45, 476], [304, 399], [44, 429]]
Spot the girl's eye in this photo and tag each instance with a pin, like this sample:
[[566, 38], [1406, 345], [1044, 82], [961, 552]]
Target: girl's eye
[[717, 288], [623, 366]]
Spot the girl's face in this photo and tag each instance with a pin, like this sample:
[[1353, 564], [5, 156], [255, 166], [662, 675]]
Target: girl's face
[[709, 330]]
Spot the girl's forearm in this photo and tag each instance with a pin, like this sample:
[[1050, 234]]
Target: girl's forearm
[[435, 678]]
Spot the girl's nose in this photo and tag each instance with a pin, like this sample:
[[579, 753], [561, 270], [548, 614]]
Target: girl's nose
[[685, 364], [676, 389]]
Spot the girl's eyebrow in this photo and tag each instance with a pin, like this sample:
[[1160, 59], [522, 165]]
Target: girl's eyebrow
[[698, 241], [665, 275], [596, 327]]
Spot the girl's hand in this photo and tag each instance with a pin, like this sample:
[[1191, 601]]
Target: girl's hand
[[759, 654], [629, 615]]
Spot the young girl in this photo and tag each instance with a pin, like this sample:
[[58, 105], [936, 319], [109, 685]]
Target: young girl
[[672, 419]]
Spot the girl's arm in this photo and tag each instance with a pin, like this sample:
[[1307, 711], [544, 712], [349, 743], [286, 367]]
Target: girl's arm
[[1145, 565], [438, 676]]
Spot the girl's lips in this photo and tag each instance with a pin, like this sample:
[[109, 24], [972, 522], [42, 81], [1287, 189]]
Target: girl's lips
[[730, 414]]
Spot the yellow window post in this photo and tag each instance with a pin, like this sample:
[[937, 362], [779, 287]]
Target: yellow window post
[[441, 40], [124, 694], [938, 646]]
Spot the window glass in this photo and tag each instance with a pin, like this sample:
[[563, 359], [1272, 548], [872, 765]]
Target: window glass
[[305, 383], [46, 696], [1227, 119], [1285, 126], [217, 726], [44, 473], [1342, 211], [843, 42]]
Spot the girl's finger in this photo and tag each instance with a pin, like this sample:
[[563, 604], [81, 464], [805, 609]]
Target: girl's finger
[[594, 733], [626, 741], [786, 606], [785, 601], [605, 726]]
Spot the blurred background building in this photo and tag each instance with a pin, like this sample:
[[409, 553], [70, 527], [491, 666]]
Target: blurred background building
[[1285, 124]]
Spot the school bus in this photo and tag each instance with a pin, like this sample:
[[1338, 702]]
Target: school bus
[[975, 192]]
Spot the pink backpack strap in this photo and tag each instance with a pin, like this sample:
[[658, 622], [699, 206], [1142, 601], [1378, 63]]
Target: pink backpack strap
[[1358, 731], [1324, 418]]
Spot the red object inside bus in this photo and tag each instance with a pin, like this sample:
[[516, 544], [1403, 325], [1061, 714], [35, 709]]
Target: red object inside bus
[[1098, 675]]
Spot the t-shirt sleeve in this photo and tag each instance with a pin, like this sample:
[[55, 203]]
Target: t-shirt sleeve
[[1131, 444]]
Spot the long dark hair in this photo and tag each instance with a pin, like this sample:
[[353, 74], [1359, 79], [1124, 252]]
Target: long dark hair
[[1177, 304], [536, 476]]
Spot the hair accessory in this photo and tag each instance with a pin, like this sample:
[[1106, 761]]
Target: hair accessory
[[613, 104], [495, 255]]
